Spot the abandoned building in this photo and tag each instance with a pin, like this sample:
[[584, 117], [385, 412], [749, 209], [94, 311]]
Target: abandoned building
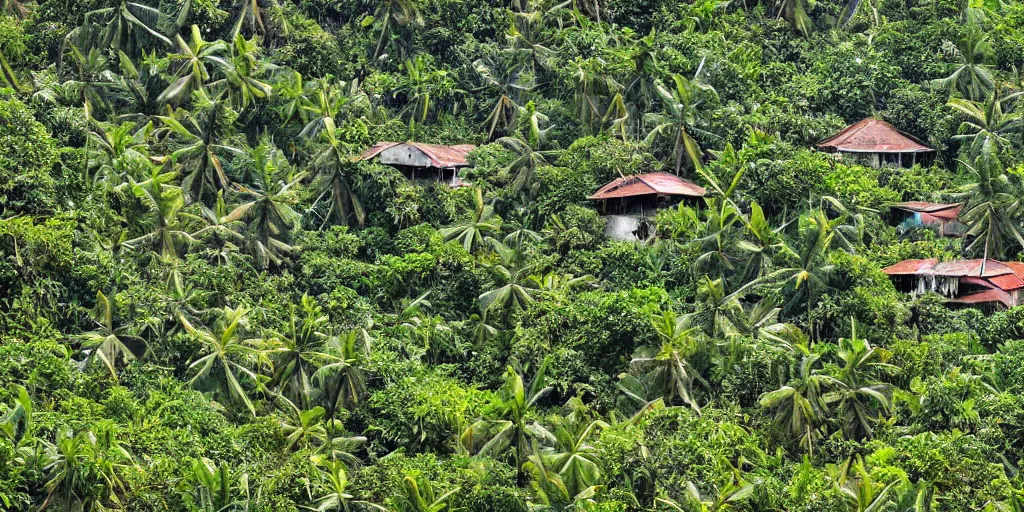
[[941, 217], [973, 282], [629, 203], [418, 161], [876, 143]]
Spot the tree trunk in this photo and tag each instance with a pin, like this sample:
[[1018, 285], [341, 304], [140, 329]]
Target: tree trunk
[[851, 10]]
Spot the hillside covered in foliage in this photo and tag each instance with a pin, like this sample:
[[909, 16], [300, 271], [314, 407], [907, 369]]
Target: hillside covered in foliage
[[209, 302]]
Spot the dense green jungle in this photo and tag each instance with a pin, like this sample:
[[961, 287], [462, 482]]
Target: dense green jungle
[[219, 292]]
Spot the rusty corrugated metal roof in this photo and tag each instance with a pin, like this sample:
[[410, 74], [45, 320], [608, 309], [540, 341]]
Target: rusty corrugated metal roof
[[873, 136], [941, 210], [956, 268], [661, 183], [910, 267], [441, 157], [999, 296]]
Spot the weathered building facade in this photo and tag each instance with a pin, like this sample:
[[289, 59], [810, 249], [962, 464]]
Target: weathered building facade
[[630, 203], [418, 161]]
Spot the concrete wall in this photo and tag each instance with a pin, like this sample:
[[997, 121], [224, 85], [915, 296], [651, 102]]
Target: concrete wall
[[404, 154]]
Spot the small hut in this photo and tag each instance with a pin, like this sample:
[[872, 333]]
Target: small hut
[[628, 202], [990, 282], [876, 143], [942, 217], [419, 161]]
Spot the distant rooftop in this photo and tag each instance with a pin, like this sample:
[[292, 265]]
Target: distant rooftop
[[873, 136], [661, 183], [439, 156]]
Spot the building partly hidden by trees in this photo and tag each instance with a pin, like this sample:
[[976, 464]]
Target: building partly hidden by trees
[[607, 264]]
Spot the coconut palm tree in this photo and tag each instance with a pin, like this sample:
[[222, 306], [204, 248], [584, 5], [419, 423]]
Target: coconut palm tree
[[680, 117], [571, 453], [858, 395], [254, 17], [480, 223], [401, 12], [987, 127], [198, 59], [515, 289], [992, 208], [109, 343], [343, 382], [333, 170], [302, 352], [798, 407], [796, 12], [242, 76], [807, 276], [971, 73], [503, 75], [668, 366], [228, 358], [129, 26], [270, 217], [199, 150], [504, 424], [166, 236]]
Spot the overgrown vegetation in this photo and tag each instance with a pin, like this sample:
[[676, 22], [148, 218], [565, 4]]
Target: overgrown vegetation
[[206, 304]]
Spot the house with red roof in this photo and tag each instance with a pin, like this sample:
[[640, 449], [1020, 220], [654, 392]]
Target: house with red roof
[[984, 282], [876, 143], [941, 217], [419, 161], [630, 202]]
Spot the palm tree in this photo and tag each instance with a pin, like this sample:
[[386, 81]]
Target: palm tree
[[681, 107], [337, 497], [480, 222], [302, 352], [228, 356], [197, 57], [971, 74], [798, 406], [119, 153], [7, 74], [220, 234], [528, 158], [343, 382], [987, 128], [131, 26], [808, 276], [333, 173], [322, 101], [515, 288], [85, 470], [402, 12], [271, 219], [992, 209], [668, 367], [242, 75], [502, 74], [858, 394], [108, 343], [166, 234], [198, 151], [504, 424]]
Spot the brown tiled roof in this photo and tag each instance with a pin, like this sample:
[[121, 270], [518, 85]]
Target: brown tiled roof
[[441, 157], [661, 183], [873, 136]]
